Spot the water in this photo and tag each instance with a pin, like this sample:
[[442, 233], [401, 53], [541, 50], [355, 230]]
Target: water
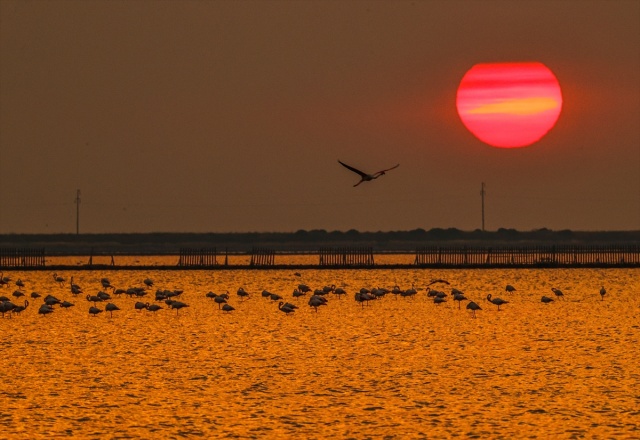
[[398, 368]]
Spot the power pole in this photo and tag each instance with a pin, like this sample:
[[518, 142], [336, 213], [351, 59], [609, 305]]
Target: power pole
[[482, 193], [77, 202]]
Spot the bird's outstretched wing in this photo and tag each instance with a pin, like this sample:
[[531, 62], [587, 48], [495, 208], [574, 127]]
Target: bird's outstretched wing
[[353, 169], [388, 169], [438, 280]]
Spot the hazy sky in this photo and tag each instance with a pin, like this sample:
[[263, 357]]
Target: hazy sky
[[212, 116]]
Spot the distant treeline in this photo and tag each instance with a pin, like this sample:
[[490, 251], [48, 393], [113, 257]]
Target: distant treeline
[[305, 241]]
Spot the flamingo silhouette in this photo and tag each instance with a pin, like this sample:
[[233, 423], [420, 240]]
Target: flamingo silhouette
[[18, 309], [558, 293], [496, 301], [110, 307], [286, 308], [458, 296], [153, 307], [59, 279], [178, 305], [473, 307], [603, 292], [317, 301], [45, 309], [75, 289], [365, 177], [242, 293]]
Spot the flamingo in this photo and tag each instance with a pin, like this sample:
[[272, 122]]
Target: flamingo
[[317, 301], [110, 307], [178, 305], [51, 300], [45, 309], [66, 304], [603, 292], [546, 299], [329, 289], [18, 294], [106, 284], [243, 293], [220, 300], [75, 289], [458, 296], [339, 291], [496, 301], [35, 295], [59, 280], [364, 177], [510, 288], [94, 299], [362, 297], [285, 307], [20, 284], [437, 300], [18, 309], [4, 281], [104, 296], [473, 307], [227, 308], [275, 297], [410, 292], [6, 307], [297, 293], [557, 292], [304, 288], [93, 311], [140, 305], [153, 307], [148, 282]]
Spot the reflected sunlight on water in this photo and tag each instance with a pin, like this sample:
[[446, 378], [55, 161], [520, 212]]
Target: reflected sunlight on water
[[397, 368]]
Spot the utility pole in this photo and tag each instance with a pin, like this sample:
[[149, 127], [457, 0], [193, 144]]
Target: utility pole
[[482, 193], [77, 202]]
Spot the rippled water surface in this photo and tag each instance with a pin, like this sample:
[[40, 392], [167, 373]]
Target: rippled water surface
[[397, 368]]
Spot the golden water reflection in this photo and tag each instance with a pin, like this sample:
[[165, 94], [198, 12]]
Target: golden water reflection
[[397, 368]]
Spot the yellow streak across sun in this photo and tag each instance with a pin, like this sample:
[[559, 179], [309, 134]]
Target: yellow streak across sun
[[517, 106]]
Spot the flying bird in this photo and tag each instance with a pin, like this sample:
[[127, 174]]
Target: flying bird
[[364, 177]]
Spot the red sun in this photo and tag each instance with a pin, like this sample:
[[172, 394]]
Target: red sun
[[509, 104]]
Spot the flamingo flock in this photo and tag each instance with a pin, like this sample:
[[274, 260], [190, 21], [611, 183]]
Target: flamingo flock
[[437, 290]]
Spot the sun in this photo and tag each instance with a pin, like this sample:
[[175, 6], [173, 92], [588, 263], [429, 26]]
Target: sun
[[509, 105]]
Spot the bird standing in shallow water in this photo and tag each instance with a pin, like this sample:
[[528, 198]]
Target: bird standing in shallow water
[[496, 301], [286, 308], [110, 307], [364, 177], [557, 292], [546, 299], [458, 296], [603, 292], [153, 307], [473, 307]]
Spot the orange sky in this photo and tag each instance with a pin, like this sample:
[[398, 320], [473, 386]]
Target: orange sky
[[231, 116]]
